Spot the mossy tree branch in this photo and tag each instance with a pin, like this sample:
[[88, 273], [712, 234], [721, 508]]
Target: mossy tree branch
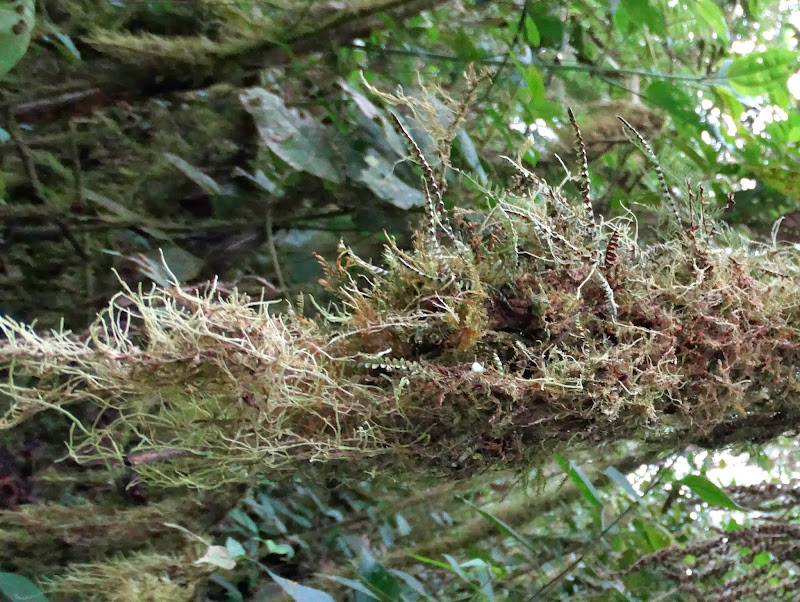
[[508, 333], [133, 67]]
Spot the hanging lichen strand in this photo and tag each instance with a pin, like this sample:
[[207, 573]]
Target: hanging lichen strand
[[501, 335]]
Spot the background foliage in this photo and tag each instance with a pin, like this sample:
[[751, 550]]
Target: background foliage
[[237, 136]]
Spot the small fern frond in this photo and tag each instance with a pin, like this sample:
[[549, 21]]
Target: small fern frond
[[584, 182], [651, 155]]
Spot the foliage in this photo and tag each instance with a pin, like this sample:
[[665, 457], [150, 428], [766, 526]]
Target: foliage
[[16, 24]]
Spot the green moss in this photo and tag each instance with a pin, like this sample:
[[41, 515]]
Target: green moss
[[147, 577]]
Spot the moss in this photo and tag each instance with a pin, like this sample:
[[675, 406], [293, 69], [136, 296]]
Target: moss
[[146, 577], [40, 539], [531, 325]]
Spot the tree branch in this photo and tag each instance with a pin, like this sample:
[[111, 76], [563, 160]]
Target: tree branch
[[132, 84]]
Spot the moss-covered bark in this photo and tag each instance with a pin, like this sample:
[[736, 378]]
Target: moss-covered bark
[[529, 327]]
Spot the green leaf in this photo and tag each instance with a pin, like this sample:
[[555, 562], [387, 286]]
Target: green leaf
[[121, 212], [581, 480], [674, 99], [235, 549], [411, 582], [233, 594], [657, 536], [470, 154], [621, 480], [182, 265], [62, 43], [17, 19], [69, 49], [282, 549], [550, 27], [635, 14], [532, 32], [535, 81], [377, 578], [294, 137], [431, 561], [354, 585], [781, 179], [709, 493], [762, 559], [464, 47], [727, 100], [217, 556], [456, 568], [504, 528], [300, 593], [403, 528], [763, 72], [708, 13], [244, 520], [207, 183], [377, 176], [20, 589]]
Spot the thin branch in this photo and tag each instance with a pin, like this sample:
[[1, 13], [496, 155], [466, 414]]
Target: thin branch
[[273, 253], [570, 567], [548, 66], [30, 168], [131, 83], [520, 25]]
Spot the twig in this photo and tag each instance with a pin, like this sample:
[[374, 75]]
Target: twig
[[520, 25], [162, 455], [80, 202], [30, 168], [273, 251], [570, 567]]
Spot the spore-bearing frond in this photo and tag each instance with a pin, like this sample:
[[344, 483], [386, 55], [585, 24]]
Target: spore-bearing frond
[[393, 364], [612, 246], [437, 214], [584, 182], [651, 155]]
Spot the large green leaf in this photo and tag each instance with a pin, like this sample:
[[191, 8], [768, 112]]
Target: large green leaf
[[581, 480], [621, 480], [532, 35], [378, 177], [709, 493], [206, 182], [709, 14], [20, 589], [354, 585], [778, 178], [634, 14], [763, 72], [674, 99], [375, 576], [300, 593], [296, 138], [16, 25]]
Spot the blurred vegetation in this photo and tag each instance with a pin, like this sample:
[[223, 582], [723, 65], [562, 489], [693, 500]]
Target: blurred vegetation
[[235, 138]]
